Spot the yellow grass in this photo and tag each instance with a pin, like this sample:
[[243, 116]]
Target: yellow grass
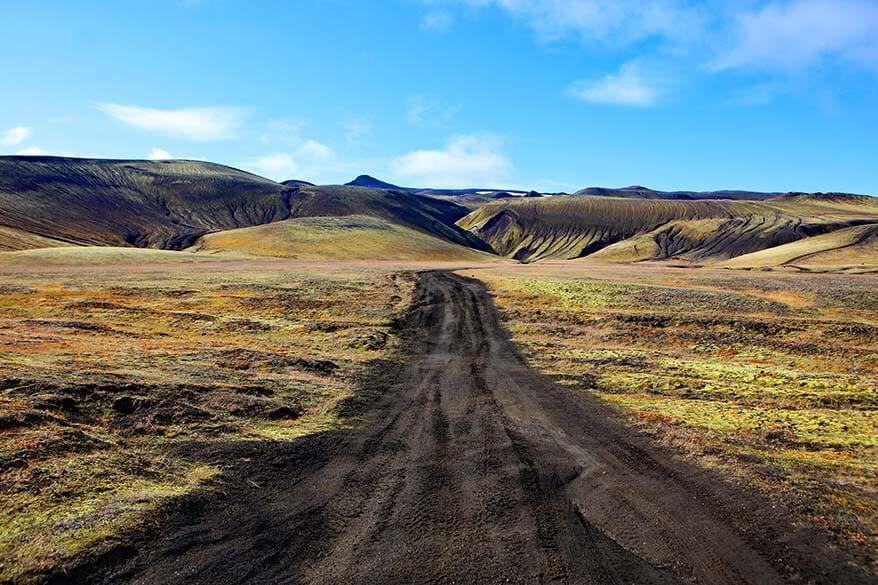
[[208, 348], [854, 248], [771, 377], [355, 237], [13, 239]]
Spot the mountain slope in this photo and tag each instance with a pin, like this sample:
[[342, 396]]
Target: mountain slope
[[849, 249], [424, 214], [13, 239], [159, 204], [170, 204], [577, 226], [354, 237]]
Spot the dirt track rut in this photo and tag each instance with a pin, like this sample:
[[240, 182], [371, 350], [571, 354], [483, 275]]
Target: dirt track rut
[[473, 468]]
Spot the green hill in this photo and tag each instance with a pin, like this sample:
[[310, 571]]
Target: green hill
[[354, 237]]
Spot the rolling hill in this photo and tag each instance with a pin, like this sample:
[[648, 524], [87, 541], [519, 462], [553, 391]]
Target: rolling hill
[[13, 239], [353, 237], [853, 249], [51, 201], [156, 204], [634, 229], [431, 216]]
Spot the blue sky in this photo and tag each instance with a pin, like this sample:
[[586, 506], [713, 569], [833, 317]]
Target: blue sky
[[546, 94]]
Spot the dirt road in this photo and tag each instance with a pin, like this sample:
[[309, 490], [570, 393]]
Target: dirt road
[[472, 468]]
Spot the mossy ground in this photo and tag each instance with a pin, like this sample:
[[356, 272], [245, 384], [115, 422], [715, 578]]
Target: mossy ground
[[771, 378], [206, 352]]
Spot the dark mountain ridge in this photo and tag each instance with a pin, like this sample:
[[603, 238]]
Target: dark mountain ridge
[[170, 204], [371, 182], [640, 192]]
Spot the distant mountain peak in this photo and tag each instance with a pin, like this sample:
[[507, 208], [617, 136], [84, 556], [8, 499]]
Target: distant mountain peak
[[372, 183]]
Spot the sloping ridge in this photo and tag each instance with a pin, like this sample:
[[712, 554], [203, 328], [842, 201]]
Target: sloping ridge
[[352, 237], [639, 192], [630, 229], [170, 204], [157, 204], [425, 214], [849, 249]]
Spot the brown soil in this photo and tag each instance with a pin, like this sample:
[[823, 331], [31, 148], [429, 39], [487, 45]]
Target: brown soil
[[469, 468]]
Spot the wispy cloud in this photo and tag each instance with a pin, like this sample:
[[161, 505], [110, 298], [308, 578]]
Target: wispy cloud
[[15, 136], [32, 151], [199, 124], [278, 166], [628, 87], [356, 129], [282, 130], [796, 34], [437, 21], [310, 159], [159, 154], [466, 161], [613, 22], [313, 150], [769, 39]]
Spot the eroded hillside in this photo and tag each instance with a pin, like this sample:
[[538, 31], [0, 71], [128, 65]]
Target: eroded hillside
[[624, 229], [51, 201]]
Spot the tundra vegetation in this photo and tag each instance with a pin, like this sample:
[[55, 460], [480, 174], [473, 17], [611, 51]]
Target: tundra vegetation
[[770, 377], [121, 368]]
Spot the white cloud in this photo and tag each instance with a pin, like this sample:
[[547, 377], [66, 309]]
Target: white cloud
[[466, 161], [15, 136], [437, 21], [749, 35], [32, 151], [313, 151], [311, 159], [278, 166], [628, 87], [795, 34], [614, 22], [281, 130], [159, 154], [200, 124]]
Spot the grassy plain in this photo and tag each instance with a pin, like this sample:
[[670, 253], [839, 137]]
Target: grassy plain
[[772, 378], [114, 360]]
